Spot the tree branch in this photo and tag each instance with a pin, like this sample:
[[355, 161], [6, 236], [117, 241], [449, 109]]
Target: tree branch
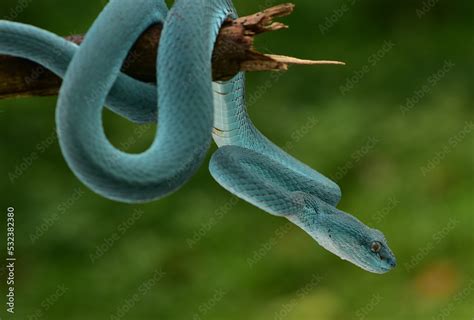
[[233, 52]]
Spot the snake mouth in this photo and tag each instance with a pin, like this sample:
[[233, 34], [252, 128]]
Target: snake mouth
[[386, 269], [391, 263], [388, 263], [379, 270]]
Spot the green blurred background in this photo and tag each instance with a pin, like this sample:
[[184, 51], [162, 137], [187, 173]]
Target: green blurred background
[[394, 128]]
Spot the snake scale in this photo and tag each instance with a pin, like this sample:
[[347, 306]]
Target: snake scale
[[192, 111]]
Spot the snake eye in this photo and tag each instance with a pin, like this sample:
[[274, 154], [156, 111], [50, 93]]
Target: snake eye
[[375, 246]]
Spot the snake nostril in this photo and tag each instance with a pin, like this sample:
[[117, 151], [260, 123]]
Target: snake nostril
[[392, 262]]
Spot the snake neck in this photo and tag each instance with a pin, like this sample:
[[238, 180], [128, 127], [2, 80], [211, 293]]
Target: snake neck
[[330, 227], [314, 217], [231, 121]]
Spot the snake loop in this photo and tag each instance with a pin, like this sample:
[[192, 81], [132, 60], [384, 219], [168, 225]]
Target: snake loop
[[184, 98]]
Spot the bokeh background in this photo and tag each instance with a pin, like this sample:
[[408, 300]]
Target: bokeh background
[[394, 128]]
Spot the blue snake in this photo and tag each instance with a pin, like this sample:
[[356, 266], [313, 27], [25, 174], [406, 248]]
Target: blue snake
[[192, 111]]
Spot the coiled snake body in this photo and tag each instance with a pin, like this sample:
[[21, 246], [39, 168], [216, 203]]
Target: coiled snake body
[[192, 110]]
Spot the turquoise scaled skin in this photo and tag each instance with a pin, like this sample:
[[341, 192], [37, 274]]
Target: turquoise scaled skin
[[192, 110]]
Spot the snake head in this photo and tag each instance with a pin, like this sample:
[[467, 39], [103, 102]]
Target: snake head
[[369, 251], [351, 240], [346, 236]]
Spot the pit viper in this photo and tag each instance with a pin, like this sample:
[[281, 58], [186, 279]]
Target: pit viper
[[192, 110]]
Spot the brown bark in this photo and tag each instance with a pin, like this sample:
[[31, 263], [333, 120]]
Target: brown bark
[[233, 52]]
